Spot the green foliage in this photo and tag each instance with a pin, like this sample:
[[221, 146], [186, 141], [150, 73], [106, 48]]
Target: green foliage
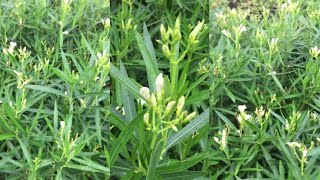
[[53, 93], [159, 89]]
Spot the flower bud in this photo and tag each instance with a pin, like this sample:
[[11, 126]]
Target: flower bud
[[166, 51], [145, 93], [153, 101], [176, 32], [62, 124], [180, 105], [164, 34], [193, 35], [159, 83], [169, 107], [190, 116], [146, 118], [174, 128]]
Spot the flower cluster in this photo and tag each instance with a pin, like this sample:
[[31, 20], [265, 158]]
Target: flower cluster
[[242, 116], [163, 113], [10, 50]]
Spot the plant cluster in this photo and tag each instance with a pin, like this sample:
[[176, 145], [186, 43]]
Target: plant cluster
[[159, 89]]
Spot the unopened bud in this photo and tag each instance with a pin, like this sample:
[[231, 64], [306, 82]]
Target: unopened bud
[[169, 107], [190, 116], [153, 100], [145, 93], [166, 51], [180, 105], [174, 128], [159, 83], [146, 118], [164, 34], [193, 35]]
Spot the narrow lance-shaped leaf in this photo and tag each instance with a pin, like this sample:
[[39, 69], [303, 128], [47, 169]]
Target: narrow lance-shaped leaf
[[155, 156], [127, 99], [185, 132], [125, 81], [124, 137], [147, 52]]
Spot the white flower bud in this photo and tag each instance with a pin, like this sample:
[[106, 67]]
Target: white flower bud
[[159, 83], [169, 107], [145, 93], [62, 124], [180, 105], [242, 108]]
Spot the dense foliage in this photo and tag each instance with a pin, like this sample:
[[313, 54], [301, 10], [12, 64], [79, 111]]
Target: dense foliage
[[159, 89]]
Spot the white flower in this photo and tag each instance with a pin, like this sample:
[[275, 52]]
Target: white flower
[[314, 51], [293, 144], [141, 101], [274, 41], [145, 93], [224, 139], [247, 116], [242, 108], [159, 83], [226, 33], [13, 44], [216, 139], [62, 124], [242, 28]]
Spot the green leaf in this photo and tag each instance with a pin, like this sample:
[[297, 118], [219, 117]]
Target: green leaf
[[125, 81], [6, 136], [46, 89], [277, 81], [149, 57], [155, 156], [183, 175], [230, 94], [127, 99], [124, 137], [185, 132], [226, 120], [313, 152], [175, 166]]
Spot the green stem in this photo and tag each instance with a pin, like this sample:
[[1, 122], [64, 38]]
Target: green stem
[[174, 71], [154, 130]]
